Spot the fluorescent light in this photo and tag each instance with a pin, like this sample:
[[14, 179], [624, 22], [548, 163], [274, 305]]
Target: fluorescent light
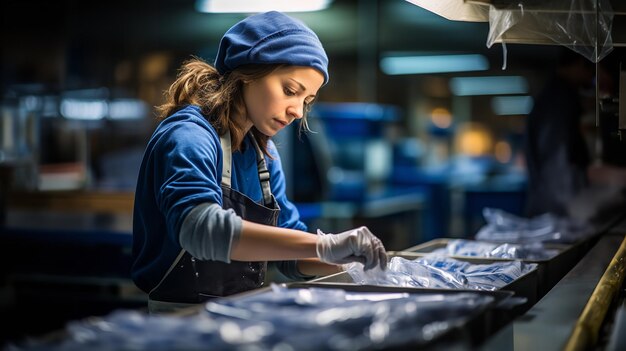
[[512, 105], [394, 65], [127, 109], [84, 109], [467, 86], [251, 6]]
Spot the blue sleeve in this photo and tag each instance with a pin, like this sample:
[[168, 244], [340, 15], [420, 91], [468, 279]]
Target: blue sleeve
[[188, 157]]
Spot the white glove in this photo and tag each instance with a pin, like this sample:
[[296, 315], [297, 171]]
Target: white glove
[[355, 245]]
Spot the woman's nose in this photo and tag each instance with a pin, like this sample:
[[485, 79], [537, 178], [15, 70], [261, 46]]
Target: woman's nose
[[297, 111]]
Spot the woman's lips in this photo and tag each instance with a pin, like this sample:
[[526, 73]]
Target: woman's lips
[[281, 123]]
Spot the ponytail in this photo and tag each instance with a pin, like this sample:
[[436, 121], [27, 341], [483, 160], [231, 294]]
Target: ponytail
[[220, 97], [195, 80]]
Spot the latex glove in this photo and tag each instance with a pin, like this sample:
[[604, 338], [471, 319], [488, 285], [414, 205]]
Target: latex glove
[[355, 245]]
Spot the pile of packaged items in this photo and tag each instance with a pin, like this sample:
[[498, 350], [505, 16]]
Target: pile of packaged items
[[505, 227], [441, 272], [282, 318], [527, 251]]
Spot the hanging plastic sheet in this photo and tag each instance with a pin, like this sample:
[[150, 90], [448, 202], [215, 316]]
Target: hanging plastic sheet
[[283, 319], [530, 251], [441, 273], [505, 227], [581, 25]]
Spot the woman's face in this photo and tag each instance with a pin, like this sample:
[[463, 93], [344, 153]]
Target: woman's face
[[276, 100]]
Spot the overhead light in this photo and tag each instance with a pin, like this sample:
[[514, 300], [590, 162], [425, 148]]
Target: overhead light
[[394, 65], [467, 86], [127, 109], [96, 109], [83, 109], [512, 105], [252, 6]]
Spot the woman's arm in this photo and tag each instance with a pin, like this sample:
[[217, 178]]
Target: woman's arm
[[258, 242]]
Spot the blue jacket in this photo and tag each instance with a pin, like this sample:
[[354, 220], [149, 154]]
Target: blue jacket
[[181, 168]]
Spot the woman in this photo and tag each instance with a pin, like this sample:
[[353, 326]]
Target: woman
[[210, 205]]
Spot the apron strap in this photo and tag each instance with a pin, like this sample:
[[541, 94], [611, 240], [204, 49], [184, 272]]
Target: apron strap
[[227, 157], [172, 266], [264, 174]]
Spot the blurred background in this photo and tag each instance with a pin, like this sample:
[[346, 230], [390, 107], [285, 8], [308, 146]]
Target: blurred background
[[420, 128]]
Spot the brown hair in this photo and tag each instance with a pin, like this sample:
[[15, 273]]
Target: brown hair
[[220, 97]]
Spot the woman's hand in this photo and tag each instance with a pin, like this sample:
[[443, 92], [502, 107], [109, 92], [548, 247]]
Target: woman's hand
[[355, 245]]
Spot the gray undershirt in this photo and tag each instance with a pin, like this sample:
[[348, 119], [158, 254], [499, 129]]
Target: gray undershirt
[[209, 232]]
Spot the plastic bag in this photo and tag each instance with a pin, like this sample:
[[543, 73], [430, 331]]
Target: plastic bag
[[572, 23], [530, 251], [504, 227], [441, 272], [334, 319], [282, 319], [405, 273]]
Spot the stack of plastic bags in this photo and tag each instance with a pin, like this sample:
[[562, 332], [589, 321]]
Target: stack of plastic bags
[[282, 319], [504, 227], [530, 251], [441, 273]]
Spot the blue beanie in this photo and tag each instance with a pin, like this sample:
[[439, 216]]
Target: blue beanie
[[271, 38]]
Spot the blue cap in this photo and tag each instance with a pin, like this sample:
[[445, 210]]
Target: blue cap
[[271, 38]]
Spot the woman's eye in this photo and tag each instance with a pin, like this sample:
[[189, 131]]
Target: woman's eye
[[289, 92]]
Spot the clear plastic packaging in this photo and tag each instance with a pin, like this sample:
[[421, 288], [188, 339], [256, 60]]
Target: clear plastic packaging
[[134, 330], [530, 251], [282, 319], [581, 25], [503, 227], [334, 319], [441, 273]]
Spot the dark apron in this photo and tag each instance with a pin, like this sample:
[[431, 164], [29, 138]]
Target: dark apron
[[191, 281]]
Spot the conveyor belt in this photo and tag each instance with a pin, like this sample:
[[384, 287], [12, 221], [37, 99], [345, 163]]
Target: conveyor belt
[[549, 324]]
